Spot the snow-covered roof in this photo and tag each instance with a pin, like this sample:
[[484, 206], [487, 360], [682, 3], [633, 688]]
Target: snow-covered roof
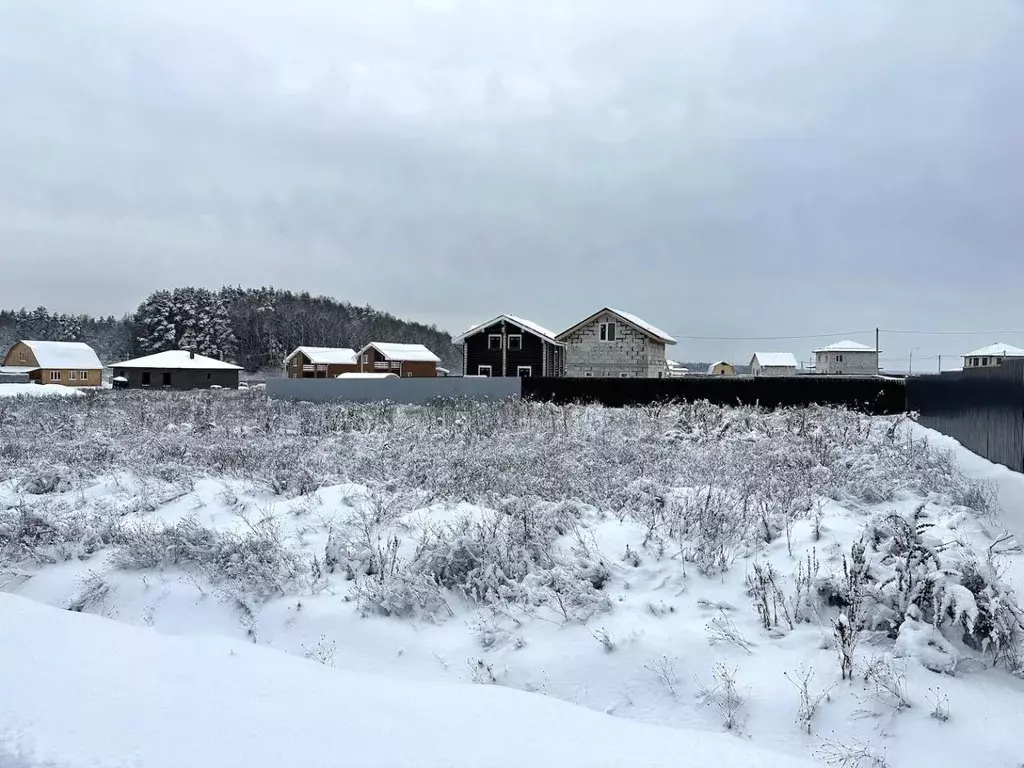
[[711, 368], [354, 375], [641, 325], [178, 359], [18, 368], [999, 349], [846, 346], [522, 323], [326, 355], [407, 353], [774, 359], [64, 354]]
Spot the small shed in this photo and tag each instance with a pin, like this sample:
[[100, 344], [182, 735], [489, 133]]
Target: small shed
[[721, 368], [773, 364], [176, 369]]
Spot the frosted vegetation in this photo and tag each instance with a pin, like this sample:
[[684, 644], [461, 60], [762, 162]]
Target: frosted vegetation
[[828, 520]]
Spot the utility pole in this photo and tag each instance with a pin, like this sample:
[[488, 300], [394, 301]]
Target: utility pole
[[940, 363], [877, 353]]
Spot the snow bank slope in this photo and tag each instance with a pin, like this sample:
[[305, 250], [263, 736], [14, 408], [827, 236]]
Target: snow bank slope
[[82, 690]]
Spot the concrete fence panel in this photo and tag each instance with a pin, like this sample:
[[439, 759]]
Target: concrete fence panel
[[403, 391]]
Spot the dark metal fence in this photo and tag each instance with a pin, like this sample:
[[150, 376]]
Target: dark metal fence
[[983, 409], [874, 395]]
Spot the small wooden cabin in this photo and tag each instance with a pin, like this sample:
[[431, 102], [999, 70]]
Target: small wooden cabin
[[405, 360], [320, 362]]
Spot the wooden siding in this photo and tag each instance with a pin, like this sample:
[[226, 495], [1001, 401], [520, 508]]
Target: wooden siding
[[542, 357], [297, 369], [372, 361], [21, 355]]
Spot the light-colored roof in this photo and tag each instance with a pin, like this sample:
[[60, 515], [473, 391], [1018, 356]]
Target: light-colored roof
[[355, 375], [17, 369], [999, 349], [407, 353], [526, 325], [846, 346], [711, 368], [774, 359], [641, 325], [178, 359], [64, 354], [326, 355]]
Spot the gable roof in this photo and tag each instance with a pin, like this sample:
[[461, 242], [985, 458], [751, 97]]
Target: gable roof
[[774, 359], [711, 368], [178, 359], [64, 354], [407, 353], [638, 323], [999, 349], [326, 355], [846, 346], [519, 322]]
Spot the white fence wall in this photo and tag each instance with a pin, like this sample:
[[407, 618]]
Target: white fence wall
[[403, 391]]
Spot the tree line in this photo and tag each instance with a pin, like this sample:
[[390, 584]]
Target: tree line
[[253, 327]]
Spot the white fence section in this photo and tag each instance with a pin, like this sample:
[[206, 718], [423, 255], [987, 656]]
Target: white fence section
[[413, 391]]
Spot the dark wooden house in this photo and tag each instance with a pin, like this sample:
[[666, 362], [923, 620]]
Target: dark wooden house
[[404, 360], [509, 346], [175, 369]]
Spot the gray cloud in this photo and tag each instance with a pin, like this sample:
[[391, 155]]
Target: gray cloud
[[723, 169]]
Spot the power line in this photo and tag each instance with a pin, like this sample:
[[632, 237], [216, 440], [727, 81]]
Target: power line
[[954, 333], [771, 338]]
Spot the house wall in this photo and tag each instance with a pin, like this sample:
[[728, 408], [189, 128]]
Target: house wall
[[20, 354], [861, 363], [632, 355], [772, 370], [296, 369], [987, 361], [372, 361], [180, 379]]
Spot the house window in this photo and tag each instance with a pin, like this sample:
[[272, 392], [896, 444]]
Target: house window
[[484, 370], [839, 358], [623, 375], [166, 379], [515, 342], [588, 374], [366, 359], [494, 341], [72, 375], [209, 376], [54, 375], [524, 371], [984, 361], [607, 331], [21, 355], [83, 375], [396, 364], [999, 361], [145, 378]]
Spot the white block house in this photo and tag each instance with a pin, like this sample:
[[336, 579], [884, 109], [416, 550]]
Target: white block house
[[991, 355], [773, 364], [848, 358]]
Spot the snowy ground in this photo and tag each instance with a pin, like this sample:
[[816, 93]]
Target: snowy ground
[[679, 567], [36, 390]]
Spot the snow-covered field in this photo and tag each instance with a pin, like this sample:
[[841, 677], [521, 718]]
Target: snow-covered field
[[694, 567]]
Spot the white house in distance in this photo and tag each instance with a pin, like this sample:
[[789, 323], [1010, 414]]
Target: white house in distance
[[773, 364], [846, 357], [991, 355]]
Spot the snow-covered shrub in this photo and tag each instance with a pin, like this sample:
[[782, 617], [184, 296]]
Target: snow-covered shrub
[[402, 595], [52, 532], [255, 561], [93, 590], [724, 694], [809, 700]]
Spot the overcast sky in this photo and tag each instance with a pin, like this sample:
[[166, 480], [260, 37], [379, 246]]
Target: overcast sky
[[719, 168]]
